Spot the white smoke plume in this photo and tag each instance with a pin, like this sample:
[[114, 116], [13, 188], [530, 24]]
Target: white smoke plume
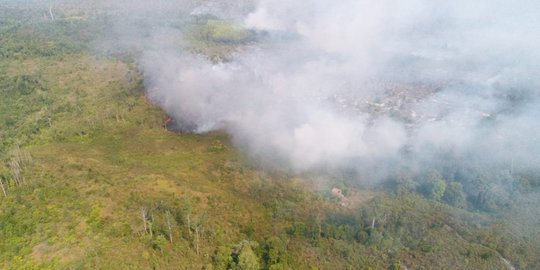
[[340, 83]]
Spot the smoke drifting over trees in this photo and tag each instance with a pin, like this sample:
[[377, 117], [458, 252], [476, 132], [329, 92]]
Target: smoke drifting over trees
[[372, 134], [358, 82]]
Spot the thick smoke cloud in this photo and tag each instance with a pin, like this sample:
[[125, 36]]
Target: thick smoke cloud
[[350, 83]]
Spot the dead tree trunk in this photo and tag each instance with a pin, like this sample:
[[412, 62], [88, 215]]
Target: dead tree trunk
[[18, 160], [199, 230], [144, 218], [15, 167], [187, 212], [50, 12], [168, 214], [197, 239], [150, 225], [188, 223], [2, 186]]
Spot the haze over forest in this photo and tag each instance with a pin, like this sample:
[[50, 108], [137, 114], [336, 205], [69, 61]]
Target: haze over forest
[[347, 83], [270, 134]]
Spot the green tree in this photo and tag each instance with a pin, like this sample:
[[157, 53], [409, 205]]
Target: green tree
[[454, 195], [273, 251], [434, 186], [437, 190], [396, 266], [159, 242], [245, 257], [247, 260], [222, 257], [404, 184]]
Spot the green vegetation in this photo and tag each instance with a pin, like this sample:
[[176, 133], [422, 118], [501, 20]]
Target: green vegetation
[[216, 38], [91, 180]]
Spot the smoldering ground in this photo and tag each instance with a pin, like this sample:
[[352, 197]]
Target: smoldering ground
[[374, 85]]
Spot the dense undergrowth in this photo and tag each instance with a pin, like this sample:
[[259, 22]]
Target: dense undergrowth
[[92, 180]]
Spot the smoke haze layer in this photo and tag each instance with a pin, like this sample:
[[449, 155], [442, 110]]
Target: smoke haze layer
[[352, 83]]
